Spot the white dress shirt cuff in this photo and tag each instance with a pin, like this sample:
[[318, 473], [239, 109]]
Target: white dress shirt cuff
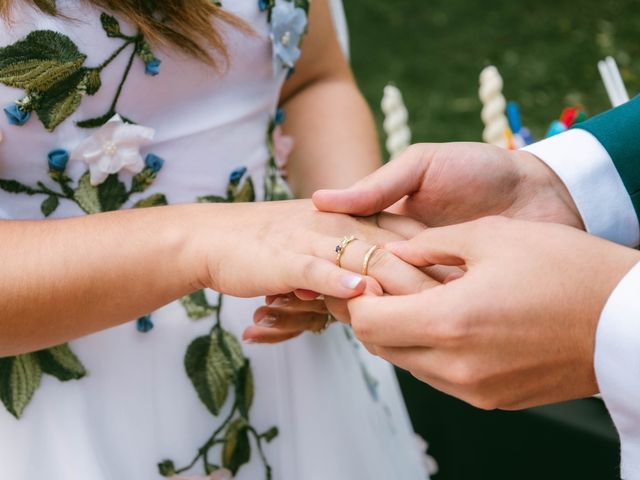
[[589, 174], [617, 366]]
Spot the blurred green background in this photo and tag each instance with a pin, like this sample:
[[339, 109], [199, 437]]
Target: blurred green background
[[547, 52]]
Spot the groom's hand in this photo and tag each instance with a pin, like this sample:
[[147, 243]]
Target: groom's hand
[[444, 184], [517, 330]]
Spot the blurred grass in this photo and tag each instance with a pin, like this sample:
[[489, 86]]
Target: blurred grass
[[547, 52]]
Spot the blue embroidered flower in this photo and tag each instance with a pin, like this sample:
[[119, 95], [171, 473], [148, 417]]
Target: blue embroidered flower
[[152, 67], [237, 175], [288, 23], [144, 324], [153, 162], [280, 117], [264, 5], [15, 115], [58, 159]]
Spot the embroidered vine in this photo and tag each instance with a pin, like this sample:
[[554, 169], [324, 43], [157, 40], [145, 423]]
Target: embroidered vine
[[48, 66], [215, 364]]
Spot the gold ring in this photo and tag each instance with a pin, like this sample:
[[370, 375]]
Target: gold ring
[[329, 320], [342, 247], [367, 258]]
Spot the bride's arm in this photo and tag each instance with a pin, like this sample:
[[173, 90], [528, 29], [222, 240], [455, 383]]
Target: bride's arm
[[335, 138], [62, 279]]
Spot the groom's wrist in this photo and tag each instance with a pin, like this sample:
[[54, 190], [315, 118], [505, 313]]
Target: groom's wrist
[[541, 181], [588, 172]]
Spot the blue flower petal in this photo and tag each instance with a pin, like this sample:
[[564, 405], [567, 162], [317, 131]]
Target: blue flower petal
[[280, 117], [58, 159], [144, 324], [152, 67], [237, 175], [15, 115], [153, 162]]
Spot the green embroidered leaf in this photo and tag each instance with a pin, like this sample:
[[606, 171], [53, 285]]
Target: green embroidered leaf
[[237, 449], [303, 4], [144, 52], [62, 363], [197, 306], [60, 101], [110, 25], [12, 186], [155, 200], [209, 371], [39, 61], [142, 180], [112, 193], [211, 199], [167, 468], [270, 434], [247, 192], [48, 6], [86, 195], [19, 379], [245, 389], [232, 349], [49, 205], [91, 82]]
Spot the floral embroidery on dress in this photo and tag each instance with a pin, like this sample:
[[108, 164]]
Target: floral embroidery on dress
[[50, 69], [20, 375], [114, 147], [215, 364], [289, 21]]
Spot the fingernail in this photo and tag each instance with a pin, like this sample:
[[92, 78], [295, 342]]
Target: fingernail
[[351, 281], [267, 321], [280, 302], [248, 341]]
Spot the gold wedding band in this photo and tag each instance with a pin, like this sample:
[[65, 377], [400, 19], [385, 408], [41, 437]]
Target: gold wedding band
[[367, 259], [342, 247]]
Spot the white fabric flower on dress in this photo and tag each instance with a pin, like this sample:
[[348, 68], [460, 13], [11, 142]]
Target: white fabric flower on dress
[[114, 147]]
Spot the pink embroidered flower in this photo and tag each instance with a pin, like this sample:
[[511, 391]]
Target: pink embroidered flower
[[222, 474], [282, 146]]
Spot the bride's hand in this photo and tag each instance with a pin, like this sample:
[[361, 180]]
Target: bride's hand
[[287, 316], [279, 247]]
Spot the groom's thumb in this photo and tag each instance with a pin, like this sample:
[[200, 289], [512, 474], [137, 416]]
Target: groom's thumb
[[379, 190]]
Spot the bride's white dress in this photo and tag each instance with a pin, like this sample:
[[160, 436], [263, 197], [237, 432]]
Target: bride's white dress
[[338, 411]]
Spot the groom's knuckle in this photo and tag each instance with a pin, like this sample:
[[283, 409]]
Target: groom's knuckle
[[465, 374]]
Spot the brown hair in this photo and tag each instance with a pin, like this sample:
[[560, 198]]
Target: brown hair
[[188, 25]]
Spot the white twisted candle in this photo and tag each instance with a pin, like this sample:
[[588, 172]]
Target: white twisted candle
[[395, 121], [494, 106]]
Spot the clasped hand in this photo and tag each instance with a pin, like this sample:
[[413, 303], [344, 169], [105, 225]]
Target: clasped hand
[[513, 324]]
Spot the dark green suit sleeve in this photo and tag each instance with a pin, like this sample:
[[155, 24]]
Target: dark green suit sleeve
[[618, 131]]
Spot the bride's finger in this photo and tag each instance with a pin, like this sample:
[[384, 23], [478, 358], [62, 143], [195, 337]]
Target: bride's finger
[[292, 302], [255, 334], [322, 276], [400, 225], [394, 275], [290, 321]]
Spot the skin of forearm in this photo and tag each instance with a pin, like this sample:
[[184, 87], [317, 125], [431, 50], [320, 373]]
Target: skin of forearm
[[335, 137], [62, 279]]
